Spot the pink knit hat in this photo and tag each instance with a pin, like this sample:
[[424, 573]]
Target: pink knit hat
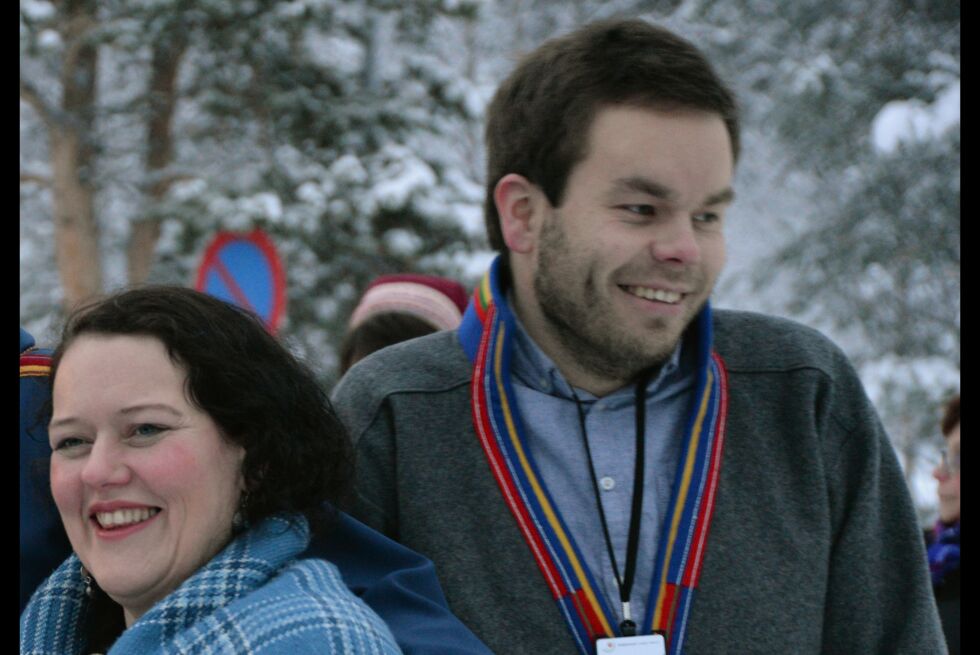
[[436, 300]]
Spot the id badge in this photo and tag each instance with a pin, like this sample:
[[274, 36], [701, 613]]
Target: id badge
[[641, 645]]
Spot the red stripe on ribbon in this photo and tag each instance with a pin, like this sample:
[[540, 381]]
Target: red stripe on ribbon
[[667, 615], [35, 360], [589, 618], [692, 572], [481, 304], [498, 467]]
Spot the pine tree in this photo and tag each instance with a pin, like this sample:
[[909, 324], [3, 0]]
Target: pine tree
[[875, 256], [332, 125]]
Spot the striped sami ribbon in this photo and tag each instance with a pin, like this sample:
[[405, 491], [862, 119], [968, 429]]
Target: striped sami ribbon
[[485, 336], [35, 364]]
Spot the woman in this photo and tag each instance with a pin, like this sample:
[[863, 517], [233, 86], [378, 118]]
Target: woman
[[191, 454], [944, 546]]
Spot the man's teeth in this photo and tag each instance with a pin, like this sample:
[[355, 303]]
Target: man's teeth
[[655, 294], [122, 517]]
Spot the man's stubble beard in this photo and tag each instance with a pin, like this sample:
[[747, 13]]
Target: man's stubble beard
[[583, 323]]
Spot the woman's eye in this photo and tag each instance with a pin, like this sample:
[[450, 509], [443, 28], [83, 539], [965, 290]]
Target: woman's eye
[[147, 430], [68, 443]]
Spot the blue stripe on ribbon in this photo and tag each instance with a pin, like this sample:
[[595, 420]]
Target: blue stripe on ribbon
[[560, 557], [502, 321]]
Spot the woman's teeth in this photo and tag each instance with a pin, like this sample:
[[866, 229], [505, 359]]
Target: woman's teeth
[[123, 517]]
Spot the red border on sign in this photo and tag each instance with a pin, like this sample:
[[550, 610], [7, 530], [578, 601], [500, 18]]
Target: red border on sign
[[267, 248]]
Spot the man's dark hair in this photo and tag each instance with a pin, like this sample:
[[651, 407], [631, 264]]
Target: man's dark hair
[[951, 415], [380, 331], [297, 452], [538, 121]]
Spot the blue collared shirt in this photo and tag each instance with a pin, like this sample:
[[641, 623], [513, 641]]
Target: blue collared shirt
[[547, 404]]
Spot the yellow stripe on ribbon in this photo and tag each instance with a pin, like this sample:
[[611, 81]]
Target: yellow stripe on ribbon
[[34, 370], [692, 450], [485, 294], [542, 499]]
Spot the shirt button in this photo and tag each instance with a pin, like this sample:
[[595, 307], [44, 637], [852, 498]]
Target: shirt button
[[607, 483]]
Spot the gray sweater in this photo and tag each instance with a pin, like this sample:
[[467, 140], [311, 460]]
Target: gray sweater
[[814, 546]]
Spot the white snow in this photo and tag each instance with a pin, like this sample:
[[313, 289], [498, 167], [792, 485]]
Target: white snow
[[264, 204], [37, 10], [474, 264], [187, 189], [905, 121], [312, 194], [49, 39], [402, 242], [402, 177], [923, 489], [925, 372]]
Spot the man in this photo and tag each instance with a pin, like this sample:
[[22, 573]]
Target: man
[[595, 453]]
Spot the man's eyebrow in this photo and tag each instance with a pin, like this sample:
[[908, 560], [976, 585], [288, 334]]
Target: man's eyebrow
[[644, 185], [726, 196], [662, 191]]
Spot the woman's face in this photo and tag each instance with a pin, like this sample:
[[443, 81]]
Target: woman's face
[[949, 481], [145, 484]]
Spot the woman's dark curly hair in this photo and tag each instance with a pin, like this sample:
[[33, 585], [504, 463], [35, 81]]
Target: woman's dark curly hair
[[298, 456]]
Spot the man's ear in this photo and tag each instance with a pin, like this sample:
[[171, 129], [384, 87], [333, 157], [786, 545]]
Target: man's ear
[[519, 205]]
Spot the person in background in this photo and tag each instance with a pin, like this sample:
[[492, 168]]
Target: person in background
[[43, 544], [944, 538], [397, 583], [598, 459], [399, 307]]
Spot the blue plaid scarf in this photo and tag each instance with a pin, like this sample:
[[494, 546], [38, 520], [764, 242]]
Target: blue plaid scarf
[[253, 598], [944, 551]]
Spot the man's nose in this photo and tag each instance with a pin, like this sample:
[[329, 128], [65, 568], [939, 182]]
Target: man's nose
[[674, 240]]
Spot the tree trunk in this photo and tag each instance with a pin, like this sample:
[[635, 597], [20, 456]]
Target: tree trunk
[[159, 151], [72, 163]]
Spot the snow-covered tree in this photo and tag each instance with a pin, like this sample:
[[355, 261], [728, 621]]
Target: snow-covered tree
[[352, 132], [332, 125], [864, 100]]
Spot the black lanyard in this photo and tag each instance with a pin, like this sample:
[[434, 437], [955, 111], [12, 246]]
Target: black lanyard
[[625, 583]]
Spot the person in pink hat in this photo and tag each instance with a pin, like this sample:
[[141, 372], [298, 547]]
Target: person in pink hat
[[399, 307]]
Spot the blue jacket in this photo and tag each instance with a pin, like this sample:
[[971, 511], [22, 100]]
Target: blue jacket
[[43, 544], [397, 583], [252, 598]]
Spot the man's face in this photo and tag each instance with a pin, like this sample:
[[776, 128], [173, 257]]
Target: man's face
[[634, 250]]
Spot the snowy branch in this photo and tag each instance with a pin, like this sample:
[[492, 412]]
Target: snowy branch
[[162, 180], [31, 96], [35, 178]]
